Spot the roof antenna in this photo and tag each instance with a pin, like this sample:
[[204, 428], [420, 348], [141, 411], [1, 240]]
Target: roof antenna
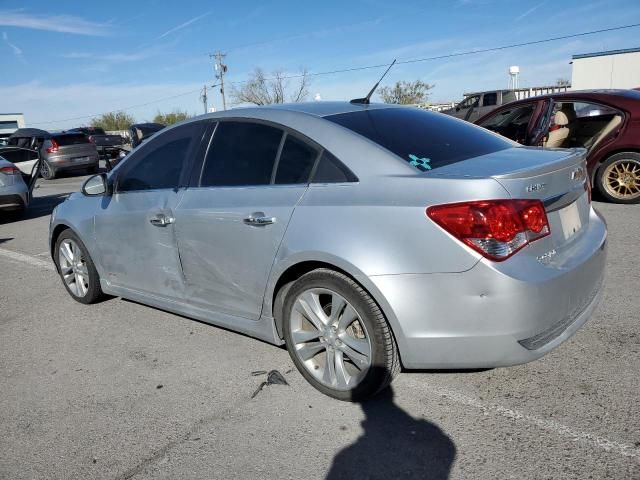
[[367, 100]]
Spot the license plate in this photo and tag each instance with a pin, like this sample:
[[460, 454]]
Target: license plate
[[570, 220], [79, 159]]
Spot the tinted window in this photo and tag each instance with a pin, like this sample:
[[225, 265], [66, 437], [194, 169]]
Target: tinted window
[[511, 123], [332, 170], [489, 99], [469, 102], [426, 140], [158, 164], [241, 153], [70, 139], [296, 161]]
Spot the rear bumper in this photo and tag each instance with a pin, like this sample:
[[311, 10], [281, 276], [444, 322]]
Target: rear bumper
[[495, 315], [14, 197], [74, 162]]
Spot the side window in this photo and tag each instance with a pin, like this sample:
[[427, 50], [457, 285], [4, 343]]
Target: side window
[[489, 99], [159, 163], [296, 161], [332, 170], [241, 153]]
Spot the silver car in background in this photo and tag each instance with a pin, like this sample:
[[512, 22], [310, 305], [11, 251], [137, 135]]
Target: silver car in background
[[364, 237], [68, 151]]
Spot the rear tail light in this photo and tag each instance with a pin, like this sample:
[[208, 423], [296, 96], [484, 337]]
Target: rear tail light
[[10, 170], [495, 228], [54, 147], [91, 140]]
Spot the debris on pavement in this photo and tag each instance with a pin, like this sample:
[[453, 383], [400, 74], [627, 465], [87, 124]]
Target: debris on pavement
[[274, 377]]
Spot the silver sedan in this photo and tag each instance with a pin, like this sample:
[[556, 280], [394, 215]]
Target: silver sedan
[[364, 237]]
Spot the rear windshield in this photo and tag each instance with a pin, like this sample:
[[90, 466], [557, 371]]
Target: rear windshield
[[426, 140], [70, 139]]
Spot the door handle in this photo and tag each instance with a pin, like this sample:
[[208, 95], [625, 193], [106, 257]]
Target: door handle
[[259, 219], [161, 220]]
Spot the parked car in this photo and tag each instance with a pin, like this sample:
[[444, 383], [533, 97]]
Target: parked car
[[605, 122], [140, 132], [478, 104], [108, 146], [14, 192], [475, 105], [23, 146], [59, 151], [364, 237]]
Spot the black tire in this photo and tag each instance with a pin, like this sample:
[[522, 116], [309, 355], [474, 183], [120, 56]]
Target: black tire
[[94, 292], [47, 171], [385, 360], [92, 170], [607, 171]]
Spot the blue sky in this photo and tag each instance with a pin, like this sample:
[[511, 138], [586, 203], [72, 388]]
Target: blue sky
[[70, 59]]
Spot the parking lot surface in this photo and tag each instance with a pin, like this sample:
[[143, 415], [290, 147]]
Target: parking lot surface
[[118, 390]]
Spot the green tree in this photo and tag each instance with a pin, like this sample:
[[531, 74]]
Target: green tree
[[113, 121], [171, 117], [406, 93]]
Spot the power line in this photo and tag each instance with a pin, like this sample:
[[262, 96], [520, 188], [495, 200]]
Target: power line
[[459, 54], [369, 67]]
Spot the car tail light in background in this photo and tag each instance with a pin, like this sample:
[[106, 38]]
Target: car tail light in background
[[91, 140], [54, 147], [10, 170], [495, 228]]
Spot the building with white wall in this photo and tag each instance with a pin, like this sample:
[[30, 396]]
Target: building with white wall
[[611, 69], [9, 123]]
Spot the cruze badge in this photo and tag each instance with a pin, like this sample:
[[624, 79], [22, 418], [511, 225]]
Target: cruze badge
[[536, 187], [578, 174]]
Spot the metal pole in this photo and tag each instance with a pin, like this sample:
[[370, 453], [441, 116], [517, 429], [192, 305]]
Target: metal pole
[[221, 68]]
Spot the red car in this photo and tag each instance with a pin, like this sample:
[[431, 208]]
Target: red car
[[605, 122]]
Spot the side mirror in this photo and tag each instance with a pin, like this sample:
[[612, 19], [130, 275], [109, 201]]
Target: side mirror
[[96, 185]]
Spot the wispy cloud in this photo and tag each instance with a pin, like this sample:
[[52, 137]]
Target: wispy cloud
[[183, 25], [529, 12], [17, 51], [109, 57], [53, 23]]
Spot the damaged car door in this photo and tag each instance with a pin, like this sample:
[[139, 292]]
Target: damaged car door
[[134, 227]]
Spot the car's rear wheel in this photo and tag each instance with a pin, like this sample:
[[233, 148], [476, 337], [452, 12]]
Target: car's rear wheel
[[338, 337], [47, 171], [618, 178], [76, 268]]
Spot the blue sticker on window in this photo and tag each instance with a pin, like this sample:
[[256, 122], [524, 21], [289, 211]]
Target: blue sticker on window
[[421, 164]]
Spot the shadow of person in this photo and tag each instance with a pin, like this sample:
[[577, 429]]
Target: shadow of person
[[394, 445]]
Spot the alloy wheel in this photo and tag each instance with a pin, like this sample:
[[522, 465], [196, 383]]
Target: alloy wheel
[[73, 267], [330, 338], [621, 179]]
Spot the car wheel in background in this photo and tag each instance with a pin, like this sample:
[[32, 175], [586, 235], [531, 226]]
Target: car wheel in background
[[618, 178], [338, 337], [76, 268], [47, 171], [92, 170]]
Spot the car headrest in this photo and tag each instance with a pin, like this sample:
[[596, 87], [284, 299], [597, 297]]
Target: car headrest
[[561, 118]]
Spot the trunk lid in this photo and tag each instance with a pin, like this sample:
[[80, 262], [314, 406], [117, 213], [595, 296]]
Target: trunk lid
[[557, 177]]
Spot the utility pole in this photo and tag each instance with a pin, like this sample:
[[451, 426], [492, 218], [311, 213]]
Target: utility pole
[[221, 69], [203, 97]]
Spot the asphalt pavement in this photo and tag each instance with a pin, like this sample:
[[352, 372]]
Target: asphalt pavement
[[119, 390]]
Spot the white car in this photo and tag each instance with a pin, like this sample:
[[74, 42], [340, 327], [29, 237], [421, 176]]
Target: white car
[[14, 191]]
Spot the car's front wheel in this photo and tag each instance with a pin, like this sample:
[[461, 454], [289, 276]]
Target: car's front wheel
[[78, 273], [338, 337]]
